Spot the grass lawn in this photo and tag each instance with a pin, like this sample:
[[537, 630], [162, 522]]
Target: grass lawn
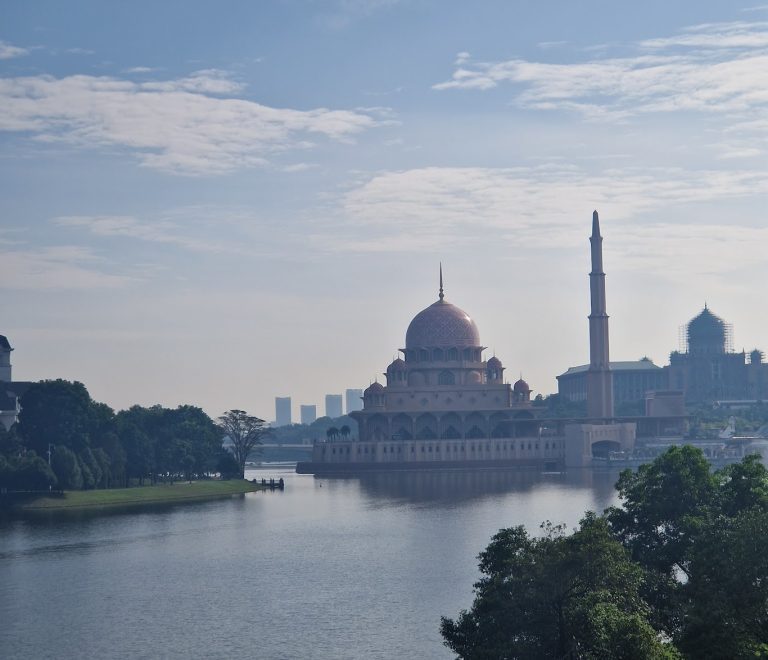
[[178, 492]]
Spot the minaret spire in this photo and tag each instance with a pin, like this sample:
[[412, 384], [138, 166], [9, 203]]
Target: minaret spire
[[599, 379], [441, 294]]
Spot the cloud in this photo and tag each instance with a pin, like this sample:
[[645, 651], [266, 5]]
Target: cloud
[[56, 268], [189, 125], [9, 51], [717, 68], [545, 208], [139, 69], [212, 229]]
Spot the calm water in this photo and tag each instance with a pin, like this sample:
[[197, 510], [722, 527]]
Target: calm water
[[330, 568]]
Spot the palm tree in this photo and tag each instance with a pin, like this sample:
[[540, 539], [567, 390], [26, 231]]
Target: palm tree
[[345, 431], [332, 433]]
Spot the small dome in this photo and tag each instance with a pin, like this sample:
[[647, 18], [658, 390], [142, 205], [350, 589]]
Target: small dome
[[521, 386], [375, 388], [396, 364], [442, 324], [494, 362]]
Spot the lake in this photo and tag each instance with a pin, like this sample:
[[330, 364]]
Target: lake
[[350, 567]]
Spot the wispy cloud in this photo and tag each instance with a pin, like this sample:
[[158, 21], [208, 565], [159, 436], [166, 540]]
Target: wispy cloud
[[436, 209], [190, 125], [57, 268], [717, 68], [9, 51], [203, 229]]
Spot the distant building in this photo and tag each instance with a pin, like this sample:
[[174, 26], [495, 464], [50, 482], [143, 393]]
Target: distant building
[[10, 391], [708, 370], [282, 410], [308, 414], [354, 400], [333, 406], [631, 381]]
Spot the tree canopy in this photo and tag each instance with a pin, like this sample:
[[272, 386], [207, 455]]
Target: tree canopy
[[91, 446], [680, 569], [245, 433]]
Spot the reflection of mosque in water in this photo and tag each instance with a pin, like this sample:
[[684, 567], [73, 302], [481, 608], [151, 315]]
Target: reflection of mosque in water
[[445, 486]]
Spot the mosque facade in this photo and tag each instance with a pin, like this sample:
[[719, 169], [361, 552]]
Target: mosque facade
[[444, 405]]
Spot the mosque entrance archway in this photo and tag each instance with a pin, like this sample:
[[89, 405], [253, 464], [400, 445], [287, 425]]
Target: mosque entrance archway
[[603, 448]]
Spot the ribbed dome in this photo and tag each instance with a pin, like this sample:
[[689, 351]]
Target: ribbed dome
[[375, 388], [442, 324], [397, 363], [521, 386], [493, 362]]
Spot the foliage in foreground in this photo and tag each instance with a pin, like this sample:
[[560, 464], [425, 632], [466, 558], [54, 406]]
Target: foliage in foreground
[[679, 570]]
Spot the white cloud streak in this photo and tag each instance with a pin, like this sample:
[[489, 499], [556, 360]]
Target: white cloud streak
[[718, 68], [437, 209], [9, 51], [56, 268], [185, 126]]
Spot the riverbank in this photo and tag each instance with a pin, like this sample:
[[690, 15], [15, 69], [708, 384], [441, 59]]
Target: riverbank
[[165, 493]]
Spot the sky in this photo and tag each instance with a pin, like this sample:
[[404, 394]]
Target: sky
[[220, 203]]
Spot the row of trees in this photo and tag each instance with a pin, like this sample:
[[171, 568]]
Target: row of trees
[[680, 570], [66, 440]]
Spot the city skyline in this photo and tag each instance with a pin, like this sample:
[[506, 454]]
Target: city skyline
[[258, 203]]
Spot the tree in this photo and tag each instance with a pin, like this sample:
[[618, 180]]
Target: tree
[[332, 433], [725, 602], [345, 431], [245, 434], [556, 596], [55, 412], [66, 467]]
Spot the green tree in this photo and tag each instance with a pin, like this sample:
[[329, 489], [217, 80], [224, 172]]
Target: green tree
[[664, 503], [726, 598], [345, 431], [66, 467], [556, 596], [245, 434], [55, 412]]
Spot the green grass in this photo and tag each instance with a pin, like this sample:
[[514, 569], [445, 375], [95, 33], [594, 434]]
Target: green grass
[[178, 492]]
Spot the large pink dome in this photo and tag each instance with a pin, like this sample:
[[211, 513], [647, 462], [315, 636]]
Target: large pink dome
[[442, 324]]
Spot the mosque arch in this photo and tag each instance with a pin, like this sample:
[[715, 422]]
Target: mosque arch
[[402, 427], [476, 426], [500, 426], [453, 354], [425, 427], [378, 427], [446, 378], [450, 426], [437, 355]]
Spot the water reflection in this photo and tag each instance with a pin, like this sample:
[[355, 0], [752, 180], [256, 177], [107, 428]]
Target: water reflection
[[352, 567]]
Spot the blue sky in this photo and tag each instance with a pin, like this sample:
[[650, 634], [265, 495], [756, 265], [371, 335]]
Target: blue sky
[[218, 204]]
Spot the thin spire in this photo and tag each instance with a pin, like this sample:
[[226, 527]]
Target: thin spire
[[595, 224], [441, 295]]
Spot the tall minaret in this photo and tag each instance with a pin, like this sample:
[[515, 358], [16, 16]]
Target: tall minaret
[[599, 380]]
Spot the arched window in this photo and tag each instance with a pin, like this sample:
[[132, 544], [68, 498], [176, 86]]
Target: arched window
[[453, 354], [437, 355], [446, 378], [423, 355]]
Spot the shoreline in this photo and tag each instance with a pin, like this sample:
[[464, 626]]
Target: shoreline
[[137, 496]]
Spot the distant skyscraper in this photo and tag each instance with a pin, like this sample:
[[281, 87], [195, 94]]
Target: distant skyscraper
[[282, 410], [333, 406], [308, 414], [354, 400]]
